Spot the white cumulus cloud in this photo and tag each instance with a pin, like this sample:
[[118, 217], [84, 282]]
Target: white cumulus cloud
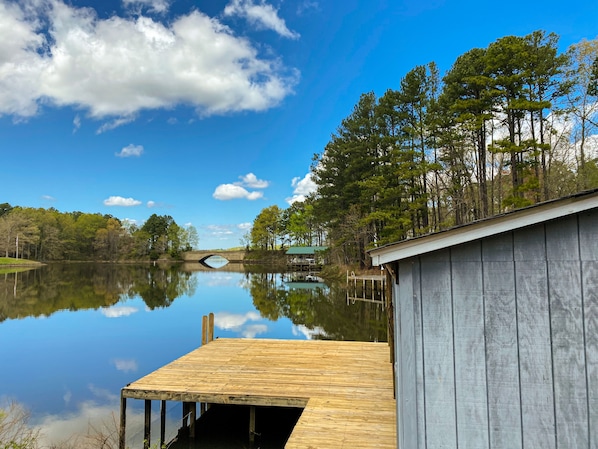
[[260, 14], [120, 201], [237, 190], [131, 150], [250, 180], [302, 187], [231, 191], [53, 53]]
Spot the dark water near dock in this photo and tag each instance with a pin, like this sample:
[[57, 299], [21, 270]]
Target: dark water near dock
[[72, 335]]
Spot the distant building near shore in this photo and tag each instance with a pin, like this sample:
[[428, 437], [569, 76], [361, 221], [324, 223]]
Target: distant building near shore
[[306, 257]]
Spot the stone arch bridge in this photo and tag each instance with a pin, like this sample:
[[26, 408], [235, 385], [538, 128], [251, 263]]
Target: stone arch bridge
[[233, 256]]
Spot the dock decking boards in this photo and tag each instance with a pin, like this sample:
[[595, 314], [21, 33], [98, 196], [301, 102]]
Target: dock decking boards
[[346, 388]]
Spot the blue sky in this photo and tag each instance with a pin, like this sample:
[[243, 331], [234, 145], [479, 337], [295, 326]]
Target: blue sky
[[211, 110]]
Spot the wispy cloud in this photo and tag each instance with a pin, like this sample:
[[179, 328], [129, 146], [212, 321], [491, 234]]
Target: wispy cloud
[[219, 230], [155, 6], [76, 123], [120, 201], [131, 151], [125, 365], [113, 124], [260, 14], [306, 6]]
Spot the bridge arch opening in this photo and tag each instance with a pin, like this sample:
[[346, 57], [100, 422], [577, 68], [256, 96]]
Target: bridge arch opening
[[214, 261]]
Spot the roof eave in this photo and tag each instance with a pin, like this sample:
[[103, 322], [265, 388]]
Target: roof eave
[[484, 228]]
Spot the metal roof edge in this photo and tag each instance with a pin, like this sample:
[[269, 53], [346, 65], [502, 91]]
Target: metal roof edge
[[517, 219]]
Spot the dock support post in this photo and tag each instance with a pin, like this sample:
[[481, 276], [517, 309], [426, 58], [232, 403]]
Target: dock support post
[[185, 413], [251, 424], [123, 421], [211, 327], [147, 424], [192, 418], [162, 423]]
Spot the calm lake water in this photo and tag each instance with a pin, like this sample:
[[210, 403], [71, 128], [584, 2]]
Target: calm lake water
[[72, 335]]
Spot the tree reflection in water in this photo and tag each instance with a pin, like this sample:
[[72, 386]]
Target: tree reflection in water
[[321, 308], [55, 287], [317, 309]]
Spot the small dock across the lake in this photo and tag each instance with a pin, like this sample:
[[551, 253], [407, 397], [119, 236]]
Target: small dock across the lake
[[344, 388]]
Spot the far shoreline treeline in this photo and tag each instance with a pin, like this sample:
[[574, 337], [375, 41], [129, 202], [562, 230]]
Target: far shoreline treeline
[[50, 235]]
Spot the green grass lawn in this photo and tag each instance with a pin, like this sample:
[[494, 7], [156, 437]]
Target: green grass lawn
[[13, 261]]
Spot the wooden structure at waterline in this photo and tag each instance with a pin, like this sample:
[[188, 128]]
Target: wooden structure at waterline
[[496, 330], [344, 388], [366, 287]]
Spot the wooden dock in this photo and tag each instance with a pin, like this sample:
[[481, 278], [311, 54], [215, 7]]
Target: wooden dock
[[345, 388]]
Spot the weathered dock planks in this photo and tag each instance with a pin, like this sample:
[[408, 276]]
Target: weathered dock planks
[[345, 388]]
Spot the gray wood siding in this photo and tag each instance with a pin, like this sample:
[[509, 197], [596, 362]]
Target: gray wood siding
[[564, 271], [407, 409], [437, 333], [590, 295], [504, 406], [533, 319], [470, 347], [588, 237], [500, 341]]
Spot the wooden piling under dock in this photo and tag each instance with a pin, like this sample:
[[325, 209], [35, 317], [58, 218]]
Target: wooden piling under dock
[[345, 388]]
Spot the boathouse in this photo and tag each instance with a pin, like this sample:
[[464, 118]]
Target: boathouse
[[496, 330], [306, 257]]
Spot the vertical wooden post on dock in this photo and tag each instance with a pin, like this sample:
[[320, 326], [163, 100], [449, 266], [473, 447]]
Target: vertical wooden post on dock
[[204, 330], [123, 421], [192, 418], [185, 413], [162, 423], [147, 424], [251, 424], [207, 329]]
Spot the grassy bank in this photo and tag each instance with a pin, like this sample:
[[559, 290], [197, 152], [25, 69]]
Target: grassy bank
[[11, 261]]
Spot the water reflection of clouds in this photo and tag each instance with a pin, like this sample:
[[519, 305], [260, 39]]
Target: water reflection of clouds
[[237, 322], [99, 414], [253, 330], [81, 428], [124, 365], [307, 332], [118, 311], [221, 280], [102, 393]]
